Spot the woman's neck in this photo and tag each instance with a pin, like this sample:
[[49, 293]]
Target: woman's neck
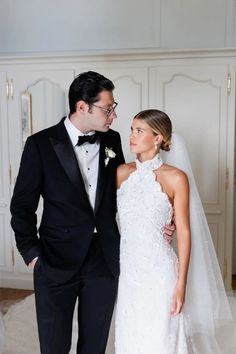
[[145, 156]]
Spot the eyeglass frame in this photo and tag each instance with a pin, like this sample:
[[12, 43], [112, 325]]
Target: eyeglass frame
[[107, 110]]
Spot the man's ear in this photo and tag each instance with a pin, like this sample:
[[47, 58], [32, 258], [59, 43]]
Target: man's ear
[[81, 107]]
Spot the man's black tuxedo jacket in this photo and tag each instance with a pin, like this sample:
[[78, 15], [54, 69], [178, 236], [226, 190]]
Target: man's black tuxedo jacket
[[49, 168]]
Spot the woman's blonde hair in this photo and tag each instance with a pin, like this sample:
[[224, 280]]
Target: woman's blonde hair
[[160, 123]]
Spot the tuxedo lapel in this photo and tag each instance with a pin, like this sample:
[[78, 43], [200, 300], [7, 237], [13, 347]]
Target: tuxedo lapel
[[101, 173], [65, 153]]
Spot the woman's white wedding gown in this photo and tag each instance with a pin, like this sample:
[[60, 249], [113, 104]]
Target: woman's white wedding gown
[[148, 273]]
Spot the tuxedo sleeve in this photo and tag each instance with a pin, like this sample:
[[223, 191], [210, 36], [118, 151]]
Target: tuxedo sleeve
[[25, 200]]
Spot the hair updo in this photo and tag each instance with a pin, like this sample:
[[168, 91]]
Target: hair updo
[[160, 123]]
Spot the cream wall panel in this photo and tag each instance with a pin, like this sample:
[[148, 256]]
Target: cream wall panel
[[5, 229], [111, 24], [193, 24], [234, 221], [231, 23], [78, 25]]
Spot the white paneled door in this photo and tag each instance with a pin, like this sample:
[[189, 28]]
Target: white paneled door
[[195, 96]]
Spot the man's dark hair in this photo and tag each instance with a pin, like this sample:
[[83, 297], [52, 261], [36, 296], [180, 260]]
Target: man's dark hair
[[86, 87]]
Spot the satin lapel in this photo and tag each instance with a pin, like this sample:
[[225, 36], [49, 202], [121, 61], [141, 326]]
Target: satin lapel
[[66, 155], [101, 174]]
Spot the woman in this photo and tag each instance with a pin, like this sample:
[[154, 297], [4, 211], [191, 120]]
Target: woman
[[150, 316]]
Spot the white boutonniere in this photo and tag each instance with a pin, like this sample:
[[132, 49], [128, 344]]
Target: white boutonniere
[[110, 154]]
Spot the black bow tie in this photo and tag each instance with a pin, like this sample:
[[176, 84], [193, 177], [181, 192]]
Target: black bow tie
[[87, 139]]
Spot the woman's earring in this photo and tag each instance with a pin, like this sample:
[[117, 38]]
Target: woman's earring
[[155, 145]]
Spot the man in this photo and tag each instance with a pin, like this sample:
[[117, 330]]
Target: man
[[72, 165]]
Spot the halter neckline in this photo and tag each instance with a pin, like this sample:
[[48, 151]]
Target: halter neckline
[[152, 164]]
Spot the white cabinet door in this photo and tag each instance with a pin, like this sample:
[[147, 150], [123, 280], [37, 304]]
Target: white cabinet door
[[38, 99], [5, 175], [194, 95]]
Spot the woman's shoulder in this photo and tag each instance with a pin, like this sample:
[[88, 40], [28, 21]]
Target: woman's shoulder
[[123, 172], [126, 168], [171, 172]]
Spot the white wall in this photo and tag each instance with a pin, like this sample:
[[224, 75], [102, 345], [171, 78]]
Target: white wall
[[193, 24], [70, 25], [57, 25]]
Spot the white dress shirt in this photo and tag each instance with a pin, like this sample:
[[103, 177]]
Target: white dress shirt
[[88, 159]]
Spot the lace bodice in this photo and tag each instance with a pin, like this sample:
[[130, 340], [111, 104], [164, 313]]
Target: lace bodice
[[143, 210], [141, 202]]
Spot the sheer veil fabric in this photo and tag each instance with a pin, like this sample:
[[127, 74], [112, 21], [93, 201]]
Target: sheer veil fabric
[[206, 302], [2, 334]]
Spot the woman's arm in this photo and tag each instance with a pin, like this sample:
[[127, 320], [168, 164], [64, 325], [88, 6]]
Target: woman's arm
[[181, 206]]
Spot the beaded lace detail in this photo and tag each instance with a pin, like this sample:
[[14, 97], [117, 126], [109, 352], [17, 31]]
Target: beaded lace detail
[[149, 165], [148, 269]]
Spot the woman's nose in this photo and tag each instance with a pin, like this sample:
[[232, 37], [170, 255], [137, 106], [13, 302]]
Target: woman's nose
[[131, 134]]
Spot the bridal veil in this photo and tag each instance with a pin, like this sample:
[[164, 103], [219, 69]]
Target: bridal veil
[[206, 302]]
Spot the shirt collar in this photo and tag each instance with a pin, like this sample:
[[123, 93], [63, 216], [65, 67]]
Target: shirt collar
[[74, 132]]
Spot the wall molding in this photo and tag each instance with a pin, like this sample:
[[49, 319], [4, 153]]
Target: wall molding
[[111, 55]]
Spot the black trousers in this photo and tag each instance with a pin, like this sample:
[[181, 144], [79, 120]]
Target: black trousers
[[96, 289]]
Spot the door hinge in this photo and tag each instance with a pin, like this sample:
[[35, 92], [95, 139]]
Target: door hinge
[[229, 84], [13, 256], [227, 178]]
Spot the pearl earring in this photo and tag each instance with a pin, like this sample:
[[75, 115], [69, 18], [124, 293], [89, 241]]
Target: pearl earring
[[155, 145]]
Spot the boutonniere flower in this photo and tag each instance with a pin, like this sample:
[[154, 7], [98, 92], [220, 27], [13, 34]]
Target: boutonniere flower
[[110, 154]]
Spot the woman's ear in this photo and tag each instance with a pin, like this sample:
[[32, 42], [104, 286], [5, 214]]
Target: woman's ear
[[158, 139]]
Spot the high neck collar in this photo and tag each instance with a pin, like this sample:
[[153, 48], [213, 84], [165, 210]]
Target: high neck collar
[[152, 164]]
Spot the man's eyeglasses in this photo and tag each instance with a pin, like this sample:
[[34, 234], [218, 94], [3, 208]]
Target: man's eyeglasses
[[108, 111]]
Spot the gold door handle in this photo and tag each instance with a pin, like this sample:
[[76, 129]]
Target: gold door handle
[[11, 89], [7, 89]]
